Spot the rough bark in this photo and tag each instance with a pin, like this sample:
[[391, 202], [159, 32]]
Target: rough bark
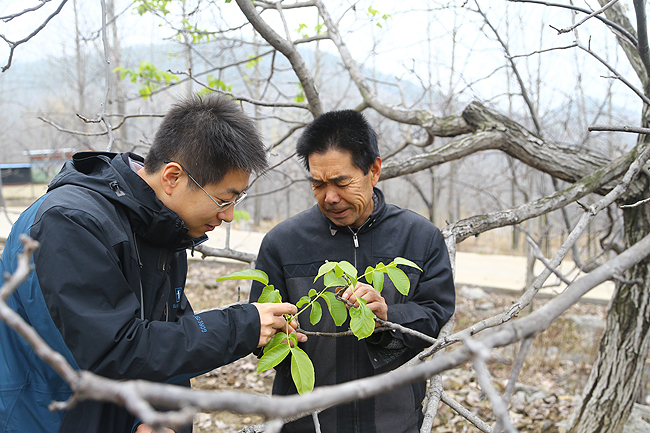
[[493, 131], [614, 382], [615, 379]]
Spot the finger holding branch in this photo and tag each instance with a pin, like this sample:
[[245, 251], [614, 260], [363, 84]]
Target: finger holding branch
[[373, 298], [272, 320]]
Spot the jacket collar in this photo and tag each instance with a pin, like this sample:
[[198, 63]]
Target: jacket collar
[[111, 175]]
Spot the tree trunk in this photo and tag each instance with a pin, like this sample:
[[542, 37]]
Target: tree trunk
[[615, 379]]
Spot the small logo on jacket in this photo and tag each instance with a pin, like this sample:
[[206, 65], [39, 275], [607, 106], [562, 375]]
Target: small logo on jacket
[[178, 292], [201, 324]]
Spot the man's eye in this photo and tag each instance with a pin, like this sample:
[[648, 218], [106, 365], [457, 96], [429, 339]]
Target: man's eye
[[316, 185]]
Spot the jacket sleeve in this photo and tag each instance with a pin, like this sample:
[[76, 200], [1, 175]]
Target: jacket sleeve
[[80, 272], [430, 303]]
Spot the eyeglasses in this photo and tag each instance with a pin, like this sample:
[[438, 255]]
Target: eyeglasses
[[220, 206]]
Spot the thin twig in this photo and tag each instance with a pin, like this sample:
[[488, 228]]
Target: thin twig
[[582, 21], [638, 203], [107, 70], [470, 416], [630, 38], [13, 45], [574, 45], [8, 18], [514, 374], [537, 252], [638, 92]]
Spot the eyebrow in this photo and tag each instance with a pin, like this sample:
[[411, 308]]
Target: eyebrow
[[334, 179]]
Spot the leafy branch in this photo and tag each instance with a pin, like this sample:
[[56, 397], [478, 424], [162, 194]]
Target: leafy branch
[[337, 275]]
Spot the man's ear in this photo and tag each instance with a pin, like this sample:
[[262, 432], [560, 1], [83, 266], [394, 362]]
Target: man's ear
[[375, 171], [170, 176]]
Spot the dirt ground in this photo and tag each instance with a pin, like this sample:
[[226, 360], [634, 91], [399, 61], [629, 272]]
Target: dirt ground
[[554, 374]]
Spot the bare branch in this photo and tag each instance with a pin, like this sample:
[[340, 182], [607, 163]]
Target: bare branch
[[107, 71], [638, 92], [469, 416], [236, 97], [10, 17], [225, 253], [539, 256], [620, 29], [480, 354], [515, 70], [290, 52], [573, 45], [582, 21], [272, 5], [642, 32], [13, 45], [622, 128], [639, 203]]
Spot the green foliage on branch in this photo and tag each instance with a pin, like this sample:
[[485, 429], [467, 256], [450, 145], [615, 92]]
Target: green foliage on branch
[[374, 13], [149, 77], [336, 276], [155, 6]]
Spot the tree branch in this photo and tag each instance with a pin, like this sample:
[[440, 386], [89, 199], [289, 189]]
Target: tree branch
[[13, 45], [582, 21], [289, 51]]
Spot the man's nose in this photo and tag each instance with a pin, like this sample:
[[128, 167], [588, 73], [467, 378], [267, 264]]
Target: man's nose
[[227, 215], [332, 195]]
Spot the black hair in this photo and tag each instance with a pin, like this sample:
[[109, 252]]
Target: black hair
[[345, 130], [209, 136]]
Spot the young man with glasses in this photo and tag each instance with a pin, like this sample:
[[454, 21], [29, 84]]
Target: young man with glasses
[[108, 287]]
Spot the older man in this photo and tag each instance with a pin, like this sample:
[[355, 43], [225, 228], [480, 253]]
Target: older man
[[352, 222]]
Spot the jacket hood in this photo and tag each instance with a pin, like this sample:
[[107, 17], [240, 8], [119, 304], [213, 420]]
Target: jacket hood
[[110, 175]]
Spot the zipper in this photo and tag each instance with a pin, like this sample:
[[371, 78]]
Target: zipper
[[137, 253], [116, 188], [355, 238]]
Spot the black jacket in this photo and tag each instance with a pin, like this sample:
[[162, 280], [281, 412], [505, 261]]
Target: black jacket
[[291, 254], [108, 292]]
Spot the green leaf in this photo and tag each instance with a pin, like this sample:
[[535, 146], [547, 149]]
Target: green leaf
[[270, 294], [302, 301], [302, 370], [238, 214], [312, 293], [247, 274], [273, 357], [406, 262], [325, 268], [378, 278], [330, 280], [316, 313], [368, 274], [399, 278], [338, 310], [347, 267], [277, 339], [362, 320]]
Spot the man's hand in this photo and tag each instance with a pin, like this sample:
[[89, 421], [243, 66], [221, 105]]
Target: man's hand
[[272, 321], [374, 300]]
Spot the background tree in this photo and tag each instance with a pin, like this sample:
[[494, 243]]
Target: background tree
[[528, 165]]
